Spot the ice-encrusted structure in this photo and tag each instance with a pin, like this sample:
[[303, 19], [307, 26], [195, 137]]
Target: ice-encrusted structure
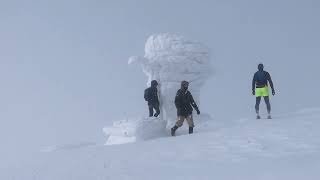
[[169, 59]]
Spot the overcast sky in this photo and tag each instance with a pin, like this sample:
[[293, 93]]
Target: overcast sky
[[64, 72]]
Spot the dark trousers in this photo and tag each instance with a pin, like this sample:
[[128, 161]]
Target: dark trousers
[[266, 99], [156, 107]]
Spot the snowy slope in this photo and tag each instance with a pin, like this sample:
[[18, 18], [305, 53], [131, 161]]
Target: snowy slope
[[286, 147]]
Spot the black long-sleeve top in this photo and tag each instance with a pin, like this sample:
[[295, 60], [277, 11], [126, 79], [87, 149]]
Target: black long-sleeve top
[[184, 103], [261, 79]]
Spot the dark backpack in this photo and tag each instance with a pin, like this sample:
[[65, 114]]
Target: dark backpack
[[147, 94]]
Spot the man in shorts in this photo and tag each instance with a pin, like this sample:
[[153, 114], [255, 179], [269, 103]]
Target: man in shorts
[[184, 103], [260, 89]]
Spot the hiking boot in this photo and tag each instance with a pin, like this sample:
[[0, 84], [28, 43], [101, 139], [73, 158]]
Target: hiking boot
[[269, 117], [156, 114], [258, 117], [173, 130], [190, 130]]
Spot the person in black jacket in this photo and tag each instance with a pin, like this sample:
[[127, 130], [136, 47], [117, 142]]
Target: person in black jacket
[[184, 103], [260, 89], [151, 95]]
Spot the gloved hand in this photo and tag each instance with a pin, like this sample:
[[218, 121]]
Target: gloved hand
[[253, 92], [198, 112], [273, 92]]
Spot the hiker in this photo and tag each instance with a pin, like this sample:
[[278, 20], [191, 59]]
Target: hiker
[[184, 103], [260, 89], [151, 95]]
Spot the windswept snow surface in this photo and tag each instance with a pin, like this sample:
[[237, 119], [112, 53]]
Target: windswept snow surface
[[284, 148]]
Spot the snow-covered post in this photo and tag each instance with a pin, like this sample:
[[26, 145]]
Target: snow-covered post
[[170, 59]]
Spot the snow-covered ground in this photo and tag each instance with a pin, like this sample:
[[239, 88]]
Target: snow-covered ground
[[286, 147]]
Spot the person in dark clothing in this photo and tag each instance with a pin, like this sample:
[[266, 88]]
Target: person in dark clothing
[[184, 103], [260, 89], [151, 95]]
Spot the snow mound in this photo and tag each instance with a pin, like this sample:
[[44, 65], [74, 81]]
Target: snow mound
[[150, 128], [127, 131]]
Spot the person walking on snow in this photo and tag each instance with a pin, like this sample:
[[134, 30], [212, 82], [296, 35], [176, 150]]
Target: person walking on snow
[[260, 89], [184, 103], [151, 95]]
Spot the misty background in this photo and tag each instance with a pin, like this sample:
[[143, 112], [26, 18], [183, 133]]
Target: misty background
[[64, 72]]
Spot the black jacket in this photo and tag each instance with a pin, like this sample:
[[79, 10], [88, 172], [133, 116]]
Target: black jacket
[[152, 95], [184, 103], [261, 79]]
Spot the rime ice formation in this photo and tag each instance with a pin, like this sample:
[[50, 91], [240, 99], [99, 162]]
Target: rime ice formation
[[170, 59]]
